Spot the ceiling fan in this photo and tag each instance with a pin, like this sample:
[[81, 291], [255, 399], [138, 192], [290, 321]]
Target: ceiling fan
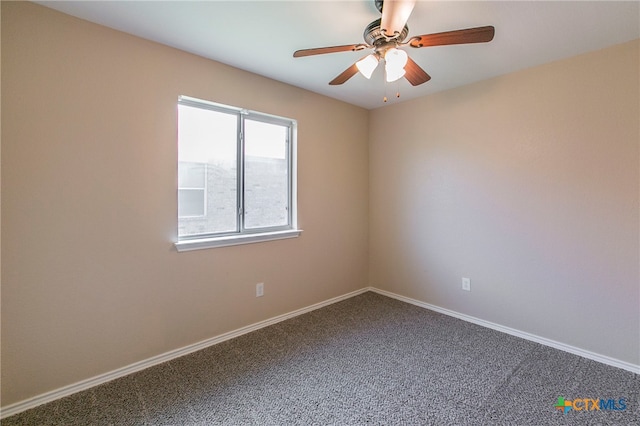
[[386, 35]]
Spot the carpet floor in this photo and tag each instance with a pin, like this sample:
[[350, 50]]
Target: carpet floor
[[366, 360]]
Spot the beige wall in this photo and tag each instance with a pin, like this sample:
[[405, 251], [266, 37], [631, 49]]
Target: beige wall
[[90, 279], [529, 185]]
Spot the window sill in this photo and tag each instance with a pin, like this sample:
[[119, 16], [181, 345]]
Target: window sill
[[234, 240]]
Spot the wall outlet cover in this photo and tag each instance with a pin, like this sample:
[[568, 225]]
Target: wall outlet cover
[[466, 284]]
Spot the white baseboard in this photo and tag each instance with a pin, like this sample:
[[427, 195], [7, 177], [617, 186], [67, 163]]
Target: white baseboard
[[64, 391], [528, 336]]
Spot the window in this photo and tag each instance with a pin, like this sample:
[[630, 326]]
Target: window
[[236, 176], [192, 191]]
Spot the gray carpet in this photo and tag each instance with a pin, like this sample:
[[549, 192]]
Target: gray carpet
[[366, 360]]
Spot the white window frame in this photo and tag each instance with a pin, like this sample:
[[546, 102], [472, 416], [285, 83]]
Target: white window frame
[[252, 235]]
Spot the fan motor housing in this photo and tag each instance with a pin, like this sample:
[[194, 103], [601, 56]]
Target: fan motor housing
[[373, 35]]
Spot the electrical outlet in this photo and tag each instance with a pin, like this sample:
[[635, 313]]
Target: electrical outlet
[[466, 284], [259, 289]]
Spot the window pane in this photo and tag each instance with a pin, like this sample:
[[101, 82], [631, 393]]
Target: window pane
[[266, 175], [191, 189], [191, 175], [191, 203], [207, 139]]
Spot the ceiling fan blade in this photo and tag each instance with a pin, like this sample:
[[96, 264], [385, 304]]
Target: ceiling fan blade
[[395, 14], [331, 49], [470, 35], [414, 74], [346, 75]]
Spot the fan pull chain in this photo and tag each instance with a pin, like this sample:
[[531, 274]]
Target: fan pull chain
[[384, 99]]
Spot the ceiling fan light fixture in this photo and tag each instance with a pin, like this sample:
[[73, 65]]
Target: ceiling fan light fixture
[[386, 34], [396, 58], [394, 74], [367, 65]]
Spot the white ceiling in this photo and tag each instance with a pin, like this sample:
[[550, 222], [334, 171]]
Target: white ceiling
[[261, 36]]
